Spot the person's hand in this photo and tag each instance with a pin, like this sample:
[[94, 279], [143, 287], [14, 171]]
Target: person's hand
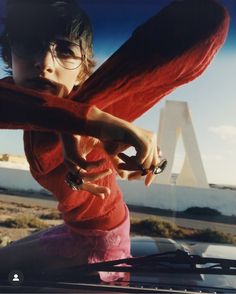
[[117, 135], [136, 172], [127, 166], [75, 150]]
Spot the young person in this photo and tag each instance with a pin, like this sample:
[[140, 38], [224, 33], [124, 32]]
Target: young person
[[41, 98], [53, 62]]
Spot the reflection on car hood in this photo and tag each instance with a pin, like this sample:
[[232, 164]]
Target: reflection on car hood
[[146, 245]]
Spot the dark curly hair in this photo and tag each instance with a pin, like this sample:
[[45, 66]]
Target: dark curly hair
[[47, 19]]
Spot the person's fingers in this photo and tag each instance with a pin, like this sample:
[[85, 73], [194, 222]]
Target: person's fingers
[[151, 163], [141, 154], [146, 169], [134, 176], [159, 152], [156, 169], [75, 183], [148, 162], [132, 163], [96, 190], [149, 179], [137, 176], [152, 159], [123, 174], [144, 149], [147, 150], [116, 161]]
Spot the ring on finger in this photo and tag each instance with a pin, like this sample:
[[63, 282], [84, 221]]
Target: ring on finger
[[74, 181], [156, 170]]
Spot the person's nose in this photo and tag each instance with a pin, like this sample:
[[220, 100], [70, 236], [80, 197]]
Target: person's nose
[[44, 62]]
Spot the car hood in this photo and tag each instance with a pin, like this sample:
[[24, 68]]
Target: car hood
[[147, 245], [145, 281]]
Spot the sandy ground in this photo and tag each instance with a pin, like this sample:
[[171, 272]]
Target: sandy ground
[[16, 210], [15, 213], [21, 215]]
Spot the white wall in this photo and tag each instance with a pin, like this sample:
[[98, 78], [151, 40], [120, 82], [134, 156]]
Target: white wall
[[135, 193], [17, 179], [178, 198]]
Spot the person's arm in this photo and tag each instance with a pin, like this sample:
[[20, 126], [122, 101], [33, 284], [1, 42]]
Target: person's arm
[[26, 109], [152, 63], [118, 134], [29, 110], [170, 49]]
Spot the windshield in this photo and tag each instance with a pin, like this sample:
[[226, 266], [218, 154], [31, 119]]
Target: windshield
[[174, 77]]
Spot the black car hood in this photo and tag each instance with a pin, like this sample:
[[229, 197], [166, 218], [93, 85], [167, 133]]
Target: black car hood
[[145, 282], [146, 245]]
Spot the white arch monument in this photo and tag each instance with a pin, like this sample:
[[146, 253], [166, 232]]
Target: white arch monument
[[175, 120]]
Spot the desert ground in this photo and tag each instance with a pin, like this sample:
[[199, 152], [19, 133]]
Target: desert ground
[[19, 218]]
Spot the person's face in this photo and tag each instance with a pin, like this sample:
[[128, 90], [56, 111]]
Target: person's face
[[53, 70]]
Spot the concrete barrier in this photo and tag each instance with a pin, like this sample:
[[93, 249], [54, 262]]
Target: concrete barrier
[[178, 198], [135, 193], [18, 179]]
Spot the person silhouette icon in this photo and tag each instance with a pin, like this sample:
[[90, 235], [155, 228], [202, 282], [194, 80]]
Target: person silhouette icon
[[16, 278]]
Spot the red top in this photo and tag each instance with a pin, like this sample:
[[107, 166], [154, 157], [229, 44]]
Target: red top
[[160, 56]]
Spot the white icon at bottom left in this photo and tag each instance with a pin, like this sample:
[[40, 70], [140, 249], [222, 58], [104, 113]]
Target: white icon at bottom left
[[16, 277]]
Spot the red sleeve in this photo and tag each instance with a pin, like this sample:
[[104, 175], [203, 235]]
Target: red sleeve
[[26, 109], [171, 49]]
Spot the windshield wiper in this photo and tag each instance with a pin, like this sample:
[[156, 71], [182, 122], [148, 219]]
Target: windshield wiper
[[178, 261]]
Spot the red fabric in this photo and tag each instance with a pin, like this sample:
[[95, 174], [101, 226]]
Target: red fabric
[[171, 49], [26, 109]]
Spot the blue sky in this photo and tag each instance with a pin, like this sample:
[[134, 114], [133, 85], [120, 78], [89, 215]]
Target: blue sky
[[211, 97]]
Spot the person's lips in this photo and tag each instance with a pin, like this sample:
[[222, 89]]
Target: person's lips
[[42, 84]]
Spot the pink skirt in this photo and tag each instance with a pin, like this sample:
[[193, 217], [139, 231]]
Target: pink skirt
[[100, 245]]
